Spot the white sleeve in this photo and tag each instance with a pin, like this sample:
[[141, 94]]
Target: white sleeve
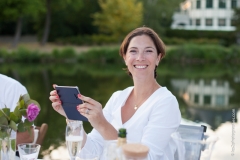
[[12, 95], [164, 120], [95, 142]]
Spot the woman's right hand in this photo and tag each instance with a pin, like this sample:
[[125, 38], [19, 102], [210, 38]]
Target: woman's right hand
[[56, 103]]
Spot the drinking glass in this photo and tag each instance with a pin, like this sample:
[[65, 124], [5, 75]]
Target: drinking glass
[[28, 151], [74, 138], [88, 157]]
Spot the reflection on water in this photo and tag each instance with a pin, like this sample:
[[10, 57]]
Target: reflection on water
[[207, 98]]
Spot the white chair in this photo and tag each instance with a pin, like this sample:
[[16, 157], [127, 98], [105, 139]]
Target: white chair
[[185, 138]]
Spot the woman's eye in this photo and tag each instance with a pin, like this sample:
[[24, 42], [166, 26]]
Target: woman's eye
[[132, 51], [149, 51]]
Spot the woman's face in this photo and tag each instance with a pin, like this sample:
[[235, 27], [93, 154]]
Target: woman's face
[[141, 57]]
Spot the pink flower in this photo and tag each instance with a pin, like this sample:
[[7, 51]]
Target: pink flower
[[32, 112]]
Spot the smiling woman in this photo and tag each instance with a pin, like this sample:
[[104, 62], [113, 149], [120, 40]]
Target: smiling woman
[[149, 111], [141, 56], [143, 37]]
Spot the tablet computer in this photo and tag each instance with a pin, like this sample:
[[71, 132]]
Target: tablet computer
[[69, 98]]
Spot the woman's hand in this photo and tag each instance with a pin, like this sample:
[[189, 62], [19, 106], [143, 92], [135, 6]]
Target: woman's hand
[[92, 110], [56, 103]]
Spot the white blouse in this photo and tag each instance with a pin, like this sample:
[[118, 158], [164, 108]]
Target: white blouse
[[10, 91], [152, 124]]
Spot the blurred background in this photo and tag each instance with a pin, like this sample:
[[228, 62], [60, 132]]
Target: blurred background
[[76, 43]]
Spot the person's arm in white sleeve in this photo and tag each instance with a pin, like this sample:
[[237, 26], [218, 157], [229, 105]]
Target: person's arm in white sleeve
[[13, 93], [95, 142]]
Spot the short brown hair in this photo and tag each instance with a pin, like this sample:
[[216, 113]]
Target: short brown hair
[[160, 46]]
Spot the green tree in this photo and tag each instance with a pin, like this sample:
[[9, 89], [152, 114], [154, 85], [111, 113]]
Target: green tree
[[236, 23], [54, 6], [118, 17], [16, 10], [158, 13], [236, 18]]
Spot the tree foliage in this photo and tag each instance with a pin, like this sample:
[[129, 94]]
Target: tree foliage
[[118, 17], [158, 13], [15, 10], [236, 18], [11, 10], [69, 18]]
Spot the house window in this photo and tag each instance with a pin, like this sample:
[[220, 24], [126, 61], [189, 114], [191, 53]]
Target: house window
[[196, 98], [220, 100], [209, 22], [198, 22], [207, 82], [222, 3], [233, 22], [221, 22], [196, 81], [207, 99], [198, 4], [190, 22], [234, 3], [220, 83], [209, 3]]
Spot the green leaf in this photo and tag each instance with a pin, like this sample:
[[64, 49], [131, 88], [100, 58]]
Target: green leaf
[[21, 104], [23, 112], [27, 123], [21, 127], [3, 134], [1, 113], [6, 112], [16, 112], [13, 125], [13, 144], [14, 118], [3, 120]]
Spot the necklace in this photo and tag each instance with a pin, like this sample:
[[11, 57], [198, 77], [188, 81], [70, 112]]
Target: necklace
[[135, 107]]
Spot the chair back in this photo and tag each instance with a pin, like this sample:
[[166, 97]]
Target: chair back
[[40, 133], [192, 132], [186, 139]]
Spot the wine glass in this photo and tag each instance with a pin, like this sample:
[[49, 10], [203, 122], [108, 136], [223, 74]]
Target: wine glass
[[74, 138], [88, 157]]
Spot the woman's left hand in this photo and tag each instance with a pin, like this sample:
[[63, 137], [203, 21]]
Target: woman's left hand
[[92, 110]]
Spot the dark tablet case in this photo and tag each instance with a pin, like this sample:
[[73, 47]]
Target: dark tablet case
[[70, 100]]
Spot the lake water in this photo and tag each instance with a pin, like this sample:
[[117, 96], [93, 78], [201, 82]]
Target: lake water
[[207, 94]]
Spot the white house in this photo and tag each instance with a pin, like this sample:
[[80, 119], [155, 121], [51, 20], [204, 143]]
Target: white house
[[204, 93], [205, 15]]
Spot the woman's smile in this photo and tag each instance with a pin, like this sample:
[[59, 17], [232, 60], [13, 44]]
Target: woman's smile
[[140, 66]]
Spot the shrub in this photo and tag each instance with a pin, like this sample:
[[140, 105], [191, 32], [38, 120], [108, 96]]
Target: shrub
[[103, 55], [193, 53], [188, 53], [26, 56], [225, 38]]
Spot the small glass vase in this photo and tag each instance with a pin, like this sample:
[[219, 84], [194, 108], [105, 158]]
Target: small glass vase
[[7, 143]]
